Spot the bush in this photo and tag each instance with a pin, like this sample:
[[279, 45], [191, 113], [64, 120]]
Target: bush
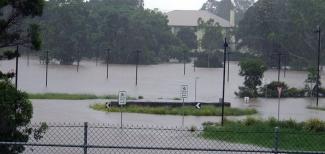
[[250, 121], [140, 97], [294, 92], [314, 125]]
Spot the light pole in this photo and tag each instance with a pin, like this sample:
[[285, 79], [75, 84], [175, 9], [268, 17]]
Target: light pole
[[224, 74], [47, 66], [195, 58], [136, 67], [17, 61], [184, 56], [196, 78], [318, 31], [107, 61]]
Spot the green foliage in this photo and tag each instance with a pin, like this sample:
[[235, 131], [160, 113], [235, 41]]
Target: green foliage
[[315, 125], [252, 70], [287, 25], [12, 24], [212, 39], [188, 37], [222, 8], [16, 113], [65, 96], [272, 90], [293, 135], [209, 60], [188, 110], [79, 29]]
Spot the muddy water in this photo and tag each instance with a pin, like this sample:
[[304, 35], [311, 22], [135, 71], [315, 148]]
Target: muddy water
[[155, 81]]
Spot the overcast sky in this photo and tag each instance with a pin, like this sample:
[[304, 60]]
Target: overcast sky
[[169, 5]]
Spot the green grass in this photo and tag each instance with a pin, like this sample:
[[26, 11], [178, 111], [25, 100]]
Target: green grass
[[305, 136], [316, 108], [188, 110], [65, 96]]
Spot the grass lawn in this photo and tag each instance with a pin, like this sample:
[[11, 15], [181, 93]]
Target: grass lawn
[[305, 136], [65, 96], [188, 110]]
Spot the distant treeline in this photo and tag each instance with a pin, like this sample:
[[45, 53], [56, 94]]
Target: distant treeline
[[76, 29]]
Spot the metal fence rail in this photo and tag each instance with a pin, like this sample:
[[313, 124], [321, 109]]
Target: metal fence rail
[[95, 139]]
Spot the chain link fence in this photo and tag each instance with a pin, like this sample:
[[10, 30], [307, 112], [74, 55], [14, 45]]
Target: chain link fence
[[96, 139]]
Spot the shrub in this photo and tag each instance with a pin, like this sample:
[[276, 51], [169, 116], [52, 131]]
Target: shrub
[[314, 125], [250, 121], [140, 97]]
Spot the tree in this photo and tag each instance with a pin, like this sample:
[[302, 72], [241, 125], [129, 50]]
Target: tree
[[16, 109], [283, 25], [188, 37], [222, 8], [212, 39], [252, 70], [75, 29], [12, 29], [310, 82]]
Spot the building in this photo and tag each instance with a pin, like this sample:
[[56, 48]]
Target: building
[[189, 18]]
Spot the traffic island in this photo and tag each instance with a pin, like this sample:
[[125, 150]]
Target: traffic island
[[189, 109]]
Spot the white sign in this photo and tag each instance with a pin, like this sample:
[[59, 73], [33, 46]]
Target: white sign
[[122, 96], [184, 91], [198, 105], [246, 99]]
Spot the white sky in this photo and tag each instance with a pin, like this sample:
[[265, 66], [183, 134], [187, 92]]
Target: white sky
[[169, 5]]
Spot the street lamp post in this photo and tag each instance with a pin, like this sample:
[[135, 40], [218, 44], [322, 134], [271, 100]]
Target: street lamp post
[[196, 78], [224, 73], [136, 67], [184, 56], [107, 62], [47, 66], [318, 31]]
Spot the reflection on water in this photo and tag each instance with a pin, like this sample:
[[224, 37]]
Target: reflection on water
[[155, 81]]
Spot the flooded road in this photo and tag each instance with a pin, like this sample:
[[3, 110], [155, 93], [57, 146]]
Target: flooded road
[[155, 82]]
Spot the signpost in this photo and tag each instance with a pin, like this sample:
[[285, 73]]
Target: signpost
[[122, 97], [184, 94], [279, 95]]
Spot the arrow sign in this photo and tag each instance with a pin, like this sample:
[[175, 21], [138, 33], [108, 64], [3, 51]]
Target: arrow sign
[[198, 105]]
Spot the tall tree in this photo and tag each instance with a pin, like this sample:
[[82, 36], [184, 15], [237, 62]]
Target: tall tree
[[283, 25], [188, 37], [16, 109], [222, 8]]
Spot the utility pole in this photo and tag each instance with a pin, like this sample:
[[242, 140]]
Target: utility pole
[[47, 66], [136, 67], [224, 74], [184, 56], [195, 57], [17, 62], [78, 60], [107, 61], [318, 31]]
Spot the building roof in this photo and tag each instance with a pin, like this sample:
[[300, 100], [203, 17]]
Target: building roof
[[190, 18]]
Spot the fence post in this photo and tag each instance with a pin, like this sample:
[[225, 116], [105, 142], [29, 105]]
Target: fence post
[[85, 146], [276, 141]]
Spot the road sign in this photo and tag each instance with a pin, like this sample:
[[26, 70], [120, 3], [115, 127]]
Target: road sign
[[279, 91], [198, 105], [122, 96], [246, 99], [184, 91]]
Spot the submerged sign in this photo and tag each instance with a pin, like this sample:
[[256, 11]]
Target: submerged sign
[[184, 91], [122, 96]]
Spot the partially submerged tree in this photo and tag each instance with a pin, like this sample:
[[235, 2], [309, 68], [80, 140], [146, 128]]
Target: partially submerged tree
[[252, 70], [212, 40]]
